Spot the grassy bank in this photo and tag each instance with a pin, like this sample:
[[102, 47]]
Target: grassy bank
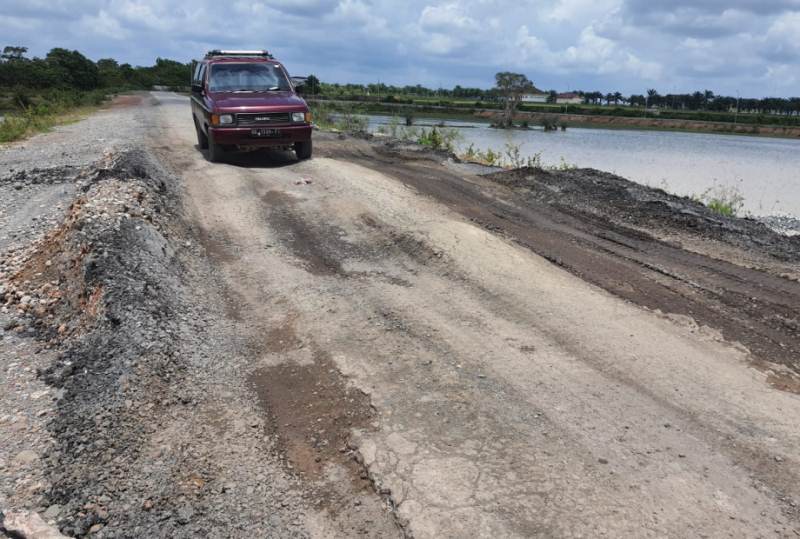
[[27, 114]]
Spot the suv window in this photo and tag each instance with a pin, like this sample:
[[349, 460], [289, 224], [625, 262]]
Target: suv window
[[249, 77], [202, 74], [196, 75]]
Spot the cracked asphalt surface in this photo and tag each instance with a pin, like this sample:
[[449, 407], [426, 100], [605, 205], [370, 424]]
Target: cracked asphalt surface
[[430, 354]]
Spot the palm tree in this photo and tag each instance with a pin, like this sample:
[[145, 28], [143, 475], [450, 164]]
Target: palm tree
[[617, 97], [652, 98]]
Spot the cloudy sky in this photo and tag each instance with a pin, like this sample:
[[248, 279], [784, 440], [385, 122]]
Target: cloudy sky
[[751, 46]]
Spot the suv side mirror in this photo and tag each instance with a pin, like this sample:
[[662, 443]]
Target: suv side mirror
[[299, 83]]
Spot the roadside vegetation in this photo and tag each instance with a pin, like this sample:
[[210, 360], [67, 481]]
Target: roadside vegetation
[[722, 199], [330, 119], [38, 93], [438, 138], [40, 112], [510, 157]]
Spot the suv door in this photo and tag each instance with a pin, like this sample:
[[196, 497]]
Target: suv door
[[198, 96]]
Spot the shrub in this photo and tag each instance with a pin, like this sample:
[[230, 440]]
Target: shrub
[[392, 128], [724, 200], [439, 138], [351, 123]]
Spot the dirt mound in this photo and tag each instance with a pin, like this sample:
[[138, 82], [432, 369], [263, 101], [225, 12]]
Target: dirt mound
[[607, 196], [96, 288]]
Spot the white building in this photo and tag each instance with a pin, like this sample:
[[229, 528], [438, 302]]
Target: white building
[[569, 98], [534, 98]]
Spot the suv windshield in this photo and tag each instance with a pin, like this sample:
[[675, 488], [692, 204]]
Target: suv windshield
[[251, 77]]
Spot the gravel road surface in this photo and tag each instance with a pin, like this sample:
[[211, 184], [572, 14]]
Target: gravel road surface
[[376, 342]]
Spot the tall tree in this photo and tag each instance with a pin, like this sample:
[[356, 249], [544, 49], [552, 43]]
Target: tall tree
[[73, 69], [12, 53], [109, 73], [511, 87], [653, 97], [312, 85]]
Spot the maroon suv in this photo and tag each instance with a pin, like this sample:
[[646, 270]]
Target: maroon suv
[[245, 99]]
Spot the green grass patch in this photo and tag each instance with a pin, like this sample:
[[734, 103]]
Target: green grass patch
[[36, 113], [723, 200]]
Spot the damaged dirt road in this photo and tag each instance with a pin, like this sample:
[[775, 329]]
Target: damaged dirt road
[[511, 398], [401, 347]]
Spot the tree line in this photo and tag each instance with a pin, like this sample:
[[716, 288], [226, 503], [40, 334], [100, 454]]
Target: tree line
[[705, 100], [69, 69], [697, 101]]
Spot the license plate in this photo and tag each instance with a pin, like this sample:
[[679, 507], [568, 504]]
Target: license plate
[[263, 132]]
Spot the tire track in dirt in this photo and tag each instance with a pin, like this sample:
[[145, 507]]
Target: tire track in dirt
[[753, 307]]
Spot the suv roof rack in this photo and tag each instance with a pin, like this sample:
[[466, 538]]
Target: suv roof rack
[[217, 53]]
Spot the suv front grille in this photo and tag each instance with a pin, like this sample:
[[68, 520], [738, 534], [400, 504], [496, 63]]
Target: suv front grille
[[264, 118]]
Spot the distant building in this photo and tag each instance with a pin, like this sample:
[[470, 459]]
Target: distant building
[[569, 98], [536, 97]]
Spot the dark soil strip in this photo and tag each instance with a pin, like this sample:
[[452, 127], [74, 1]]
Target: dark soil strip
[[313, 411], [320, 250], [749, 306]]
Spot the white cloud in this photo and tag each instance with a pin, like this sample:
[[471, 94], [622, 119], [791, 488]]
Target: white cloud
[[625, 45], [571, 10], [358, 13], [447, 17], [103, 24], [591, 54], [441, 44], [18, 24], [784, 33]]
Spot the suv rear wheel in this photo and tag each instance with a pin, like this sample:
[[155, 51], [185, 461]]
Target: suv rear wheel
[[215, 151], [303, 150]]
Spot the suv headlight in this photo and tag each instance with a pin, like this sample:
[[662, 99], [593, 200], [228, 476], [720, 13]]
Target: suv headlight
[[225, 119], [298, 117]]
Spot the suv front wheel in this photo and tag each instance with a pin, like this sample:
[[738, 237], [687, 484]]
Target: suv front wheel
[[215, 152], [202, 139], [303, 150]]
